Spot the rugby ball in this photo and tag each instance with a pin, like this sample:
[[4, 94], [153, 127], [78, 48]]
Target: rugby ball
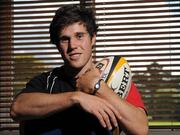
[[116, 72]]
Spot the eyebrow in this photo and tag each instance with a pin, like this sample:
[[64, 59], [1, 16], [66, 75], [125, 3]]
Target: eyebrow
[[81, 32], [64, 37], [77, 33]]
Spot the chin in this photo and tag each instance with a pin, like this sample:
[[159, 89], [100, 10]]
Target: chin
[[76, 65]]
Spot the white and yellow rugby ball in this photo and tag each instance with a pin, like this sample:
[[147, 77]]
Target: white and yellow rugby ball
[[115, 71]]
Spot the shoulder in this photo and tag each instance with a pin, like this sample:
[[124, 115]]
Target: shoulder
[[40, 82], [134, 97], [44, 75]]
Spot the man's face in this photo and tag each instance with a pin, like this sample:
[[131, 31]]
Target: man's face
[[75, 45]]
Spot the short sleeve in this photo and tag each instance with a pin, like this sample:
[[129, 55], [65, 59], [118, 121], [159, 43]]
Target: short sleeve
[[134, 97], [36, 84]]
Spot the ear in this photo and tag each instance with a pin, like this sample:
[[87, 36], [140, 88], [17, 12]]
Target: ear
[[59, 49], [93, 40]]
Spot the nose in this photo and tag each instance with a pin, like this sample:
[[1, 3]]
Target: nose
[[73, 43]]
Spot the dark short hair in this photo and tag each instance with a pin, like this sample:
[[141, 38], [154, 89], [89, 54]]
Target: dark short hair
[[69, 14]]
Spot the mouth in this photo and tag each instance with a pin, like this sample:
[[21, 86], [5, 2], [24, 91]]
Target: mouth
[[74, 56]]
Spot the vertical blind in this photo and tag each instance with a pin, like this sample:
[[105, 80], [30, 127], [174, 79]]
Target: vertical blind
[[145, 32], [6, 67], [25, 47]]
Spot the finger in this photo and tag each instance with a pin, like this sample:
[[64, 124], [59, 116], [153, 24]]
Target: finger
[[116, 113], [77, 83], [97, 70], [87, 70], [112, 108], [113, 114], [106, 119], [112, 117], [101, 120]]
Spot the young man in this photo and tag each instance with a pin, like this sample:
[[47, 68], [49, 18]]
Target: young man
[[61, 101]]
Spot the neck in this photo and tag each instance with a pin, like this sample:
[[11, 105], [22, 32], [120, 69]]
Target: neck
[[76, 72]]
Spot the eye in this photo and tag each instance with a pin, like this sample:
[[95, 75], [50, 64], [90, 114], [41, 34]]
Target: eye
[[80, 36], [64, 40]]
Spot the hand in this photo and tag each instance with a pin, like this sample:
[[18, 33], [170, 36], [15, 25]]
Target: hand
[[101, 109], [87, 81]]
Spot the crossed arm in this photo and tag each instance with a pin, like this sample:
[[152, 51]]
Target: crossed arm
[[131, 119], [109, 109]]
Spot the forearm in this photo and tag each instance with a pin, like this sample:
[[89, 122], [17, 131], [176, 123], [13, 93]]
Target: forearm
[[131, 118], [32, 105]]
